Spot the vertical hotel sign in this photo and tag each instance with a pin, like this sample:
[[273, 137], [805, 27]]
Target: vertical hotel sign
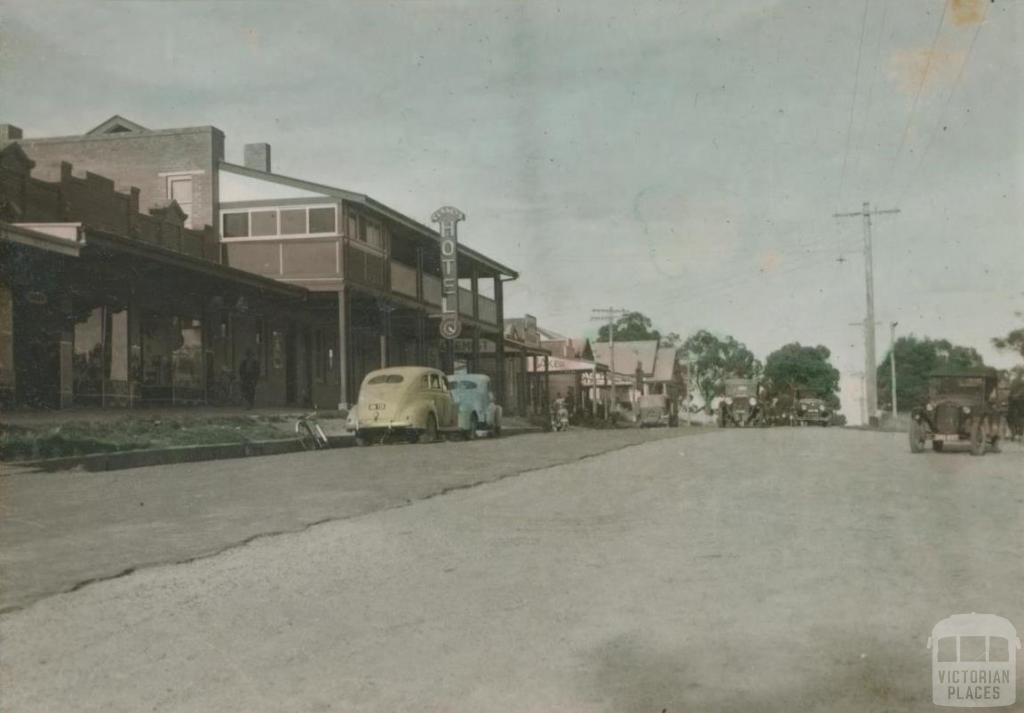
[[448, 219]]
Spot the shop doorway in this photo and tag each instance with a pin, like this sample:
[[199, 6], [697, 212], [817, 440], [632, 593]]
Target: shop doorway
[[37, 333]]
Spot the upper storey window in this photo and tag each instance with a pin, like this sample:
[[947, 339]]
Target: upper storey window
[[365, 230], [179, 188], [289, 222]]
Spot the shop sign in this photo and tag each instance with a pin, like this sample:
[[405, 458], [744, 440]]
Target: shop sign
[[448, 219]]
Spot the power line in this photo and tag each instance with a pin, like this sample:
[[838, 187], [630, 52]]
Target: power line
[[853, 100], [917, 94], [871, 88], [942, 112]]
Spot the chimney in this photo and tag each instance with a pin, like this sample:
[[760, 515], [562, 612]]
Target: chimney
[[10, 132], [257, 156]]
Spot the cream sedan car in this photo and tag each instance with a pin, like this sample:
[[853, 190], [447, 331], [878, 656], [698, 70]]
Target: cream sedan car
[[413, 402]]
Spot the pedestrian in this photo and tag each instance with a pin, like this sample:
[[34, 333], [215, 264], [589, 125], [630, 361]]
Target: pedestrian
[[248, 375]]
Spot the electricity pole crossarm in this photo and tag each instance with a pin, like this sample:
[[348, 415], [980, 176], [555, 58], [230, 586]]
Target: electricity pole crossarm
[[869, 320]]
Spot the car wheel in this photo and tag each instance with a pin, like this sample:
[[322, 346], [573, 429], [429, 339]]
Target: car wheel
[[994, 445], [496, 431], [362, 440], [917, 437], [937, 446], [977, 437], [429, 434]]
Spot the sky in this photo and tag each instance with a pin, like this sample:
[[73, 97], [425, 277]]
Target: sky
[[681, 159]]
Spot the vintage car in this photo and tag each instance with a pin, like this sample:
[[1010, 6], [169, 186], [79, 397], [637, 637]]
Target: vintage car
[[961, 408], [657, 410], [412, 402], [478, 410], [812, 412], [739, 405], [781, 411]]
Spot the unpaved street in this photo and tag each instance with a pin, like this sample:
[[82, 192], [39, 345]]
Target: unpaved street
[[61, 530], [760, 570]]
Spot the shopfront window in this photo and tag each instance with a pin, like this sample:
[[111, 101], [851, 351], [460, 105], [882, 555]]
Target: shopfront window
[[100, 355], [117, 328], [87, 362], [188, 357], [172, 354]]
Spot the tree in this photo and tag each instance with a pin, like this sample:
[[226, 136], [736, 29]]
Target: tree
[[915, 360], [671, 340], [710, 360], [1014, 340], [630, 327], [795, 368]]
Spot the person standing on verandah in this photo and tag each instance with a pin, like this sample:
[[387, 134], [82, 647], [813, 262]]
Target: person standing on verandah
[[248, 376]]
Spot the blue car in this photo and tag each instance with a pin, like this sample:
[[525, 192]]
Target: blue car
[[478, 411]]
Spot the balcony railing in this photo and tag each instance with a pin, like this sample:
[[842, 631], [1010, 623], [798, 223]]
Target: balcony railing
[[465, 302], [488, 310], [403, 279], [432, 289]]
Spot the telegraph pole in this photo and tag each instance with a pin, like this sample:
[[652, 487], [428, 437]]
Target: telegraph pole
[[870, 382], [863, 416], [892, 365], [610, 314]]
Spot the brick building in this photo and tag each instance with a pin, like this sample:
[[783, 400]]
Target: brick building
[[366, 276], [104, 305]]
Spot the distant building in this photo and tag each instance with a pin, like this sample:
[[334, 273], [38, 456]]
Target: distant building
[[524, 391], [571, 371], [645, 366]]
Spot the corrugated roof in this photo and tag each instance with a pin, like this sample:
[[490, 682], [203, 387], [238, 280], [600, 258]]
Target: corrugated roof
[[627, 354], [665, 364]]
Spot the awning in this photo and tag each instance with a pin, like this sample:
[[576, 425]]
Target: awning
[[62, 238]]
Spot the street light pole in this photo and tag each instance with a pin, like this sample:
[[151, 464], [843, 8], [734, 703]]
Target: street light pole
[[892, 365]]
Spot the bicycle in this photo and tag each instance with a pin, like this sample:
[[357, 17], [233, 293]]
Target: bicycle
[[311, 436]]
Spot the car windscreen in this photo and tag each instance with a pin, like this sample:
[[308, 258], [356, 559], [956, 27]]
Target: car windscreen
[[385, 379], [956, 385]]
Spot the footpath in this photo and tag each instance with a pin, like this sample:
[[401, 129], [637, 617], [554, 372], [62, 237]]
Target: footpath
[[114, 439]]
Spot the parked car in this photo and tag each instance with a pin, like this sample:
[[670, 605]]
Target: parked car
[[657, 410], [781, 411], [478, 409], [413, 402], [961, 408], [739, 406], [813, 412]]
